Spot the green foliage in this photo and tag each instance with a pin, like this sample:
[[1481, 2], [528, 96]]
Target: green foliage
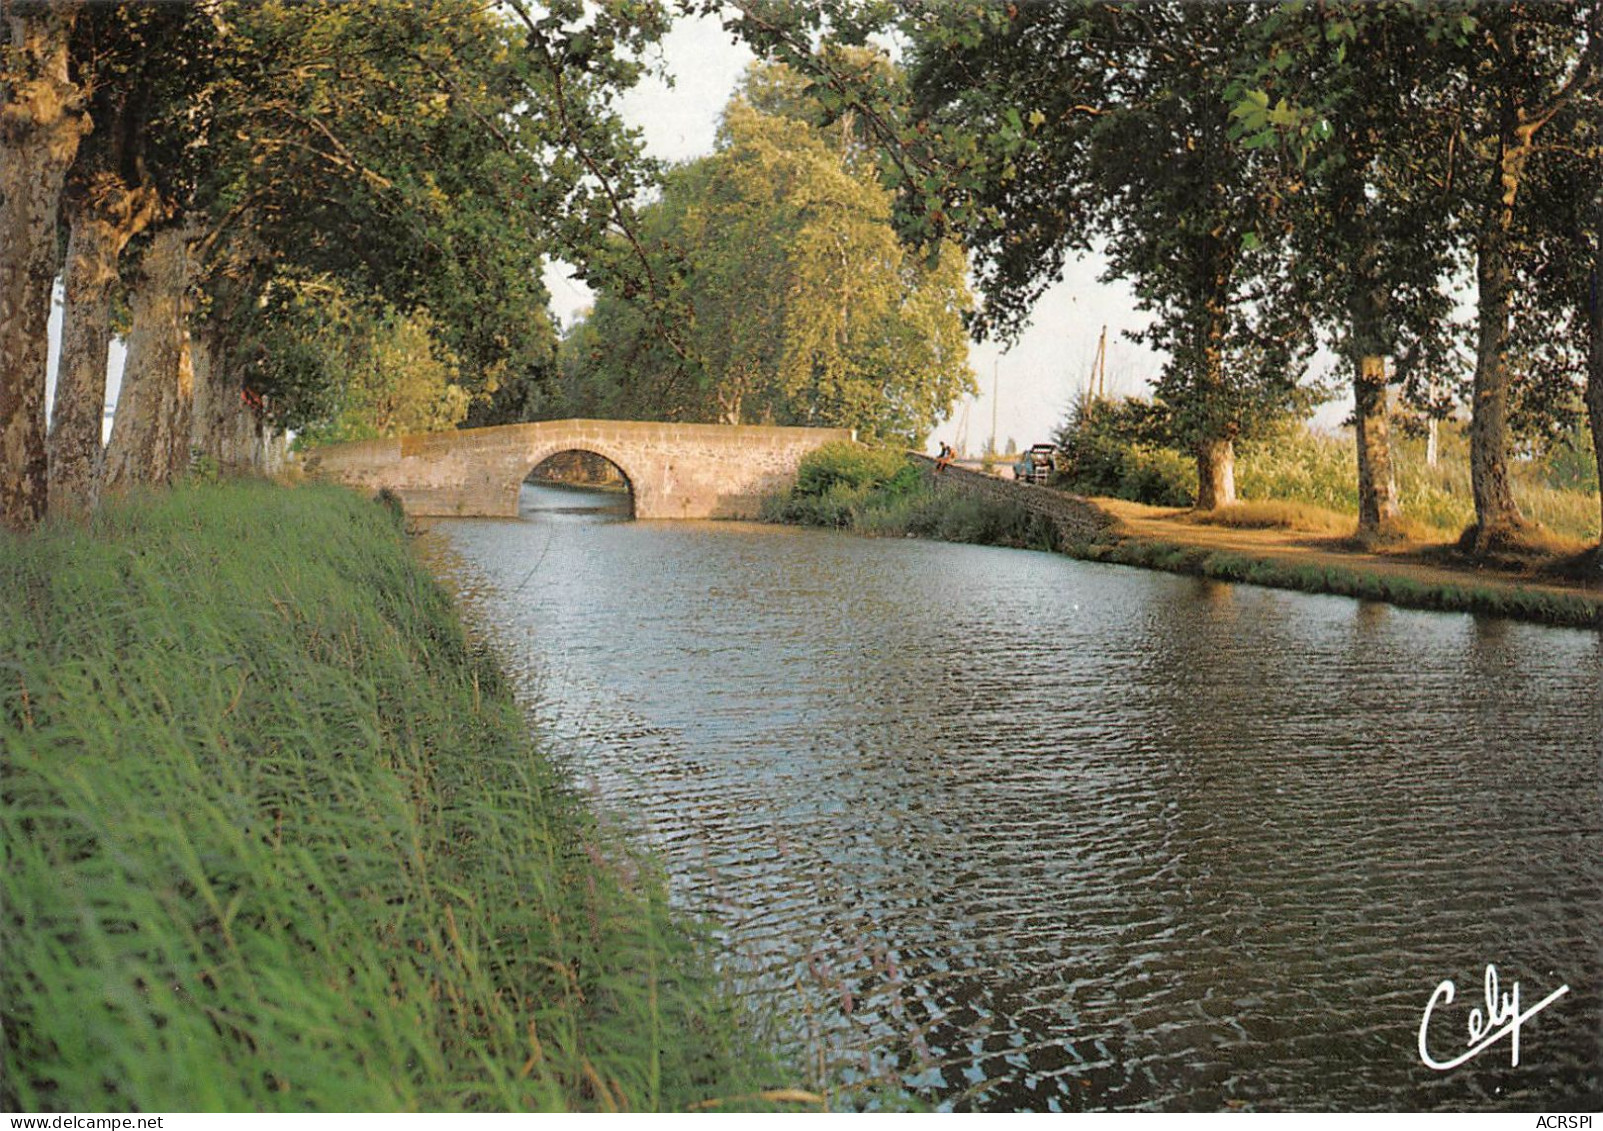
[[421, 154], [885, 493], [1359, 173], [856, 466], [339, 370], [276, 838], [789, 300], [952, 516], [426, 169], [838, 483], [1037, 129], [1121, 448]]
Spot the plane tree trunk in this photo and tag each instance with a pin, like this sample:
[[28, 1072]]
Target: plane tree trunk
[[42, 120], [1216, 473], [1498, 520], [1594, 375], [151, 430], [107, 215], [1378, 509], [1215, 450]]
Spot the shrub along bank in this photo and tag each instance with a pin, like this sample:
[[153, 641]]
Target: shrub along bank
[[276, 837], [882, 492]]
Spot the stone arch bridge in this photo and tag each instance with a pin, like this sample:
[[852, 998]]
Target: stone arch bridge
[[673, 470]]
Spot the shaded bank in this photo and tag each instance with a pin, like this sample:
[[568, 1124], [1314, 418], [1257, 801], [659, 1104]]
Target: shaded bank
[[277, 838], [907, 496]]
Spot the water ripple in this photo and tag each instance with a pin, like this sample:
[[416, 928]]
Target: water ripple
[[1016, 832]]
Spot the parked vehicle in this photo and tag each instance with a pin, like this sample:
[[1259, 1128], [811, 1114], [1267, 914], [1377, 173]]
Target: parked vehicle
[[1036, 465]]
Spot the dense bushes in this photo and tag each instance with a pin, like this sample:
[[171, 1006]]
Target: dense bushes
[[883, 492], [854, 466], [838, 482], [1120, 448]]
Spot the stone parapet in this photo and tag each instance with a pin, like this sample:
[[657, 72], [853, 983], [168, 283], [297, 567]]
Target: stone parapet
[[689, 471]]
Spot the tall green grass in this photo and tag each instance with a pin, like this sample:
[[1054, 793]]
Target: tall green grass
[[1305, 467], [276, 837]]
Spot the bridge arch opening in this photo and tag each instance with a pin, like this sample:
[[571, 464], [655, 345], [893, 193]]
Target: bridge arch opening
[[577, 481]]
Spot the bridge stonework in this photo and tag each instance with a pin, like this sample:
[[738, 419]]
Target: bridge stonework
[[674, 470]]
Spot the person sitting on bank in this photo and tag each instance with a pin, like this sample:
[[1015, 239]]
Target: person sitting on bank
[[945, 457]]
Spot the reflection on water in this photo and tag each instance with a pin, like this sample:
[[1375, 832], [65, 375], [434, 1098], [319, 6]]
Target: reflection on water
[[1020, 832]]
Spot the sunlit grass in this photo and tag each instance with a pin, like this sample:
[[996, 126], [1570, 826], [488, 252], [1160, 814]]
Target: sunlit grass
[[1523, 602], [1320, 471], [276, 837], [1277, 514]]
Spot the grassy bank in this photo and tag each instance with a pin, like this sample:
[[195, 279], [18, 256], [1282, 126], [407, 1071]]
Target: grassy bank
[[276, 838], [883, 493], [1517, 601], [1311, 477]]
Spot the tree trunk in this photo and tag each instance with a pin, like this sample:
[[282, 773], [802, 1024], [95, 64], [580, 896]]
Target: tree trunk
[[223, 427], [235, 436], [1216, 474], [103, 221], [1497, 515], [1377, 482], [1594, 376], [1216, 451], [41, 123], [150, 433]]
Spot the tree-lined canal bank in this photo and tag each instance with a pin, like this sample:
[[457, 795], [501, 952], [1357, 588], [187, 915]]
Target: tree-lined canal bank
[[882, 493], [1017, 831]]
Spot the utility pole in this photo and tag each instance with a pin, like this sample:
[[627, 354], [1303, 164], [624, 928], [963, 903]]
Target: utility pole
[[1099, 367], [994, 385]]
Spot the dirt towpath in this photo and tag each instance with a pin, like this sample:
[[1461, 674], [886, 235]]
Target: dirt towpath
[[1418, 564]]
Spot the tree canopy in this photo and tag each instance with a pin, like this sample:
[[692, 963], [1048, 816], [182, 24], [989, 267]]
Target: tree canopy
[[792, 301], [421, 159], [1335, 161]]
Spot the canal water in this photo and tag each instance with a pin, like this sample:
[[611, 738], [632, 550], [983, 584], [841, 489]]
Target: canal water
[[1012, 831]]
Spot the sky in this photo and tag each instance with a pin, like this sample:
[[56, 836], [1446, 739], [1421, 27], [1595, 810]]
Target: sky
[[1026, 390]]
